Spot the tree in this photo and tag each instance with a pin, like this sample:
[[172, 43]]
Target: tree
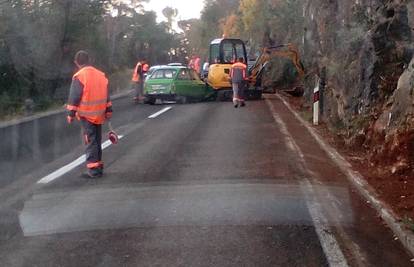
[[170, 14], [39, 38]]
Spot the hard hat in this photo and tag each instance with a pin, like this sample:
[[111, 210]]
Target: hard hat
[[113, 137]]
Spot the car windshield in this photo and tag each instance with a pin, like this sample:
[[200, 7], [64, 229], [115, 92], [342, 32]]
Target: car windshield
[[163, 74]]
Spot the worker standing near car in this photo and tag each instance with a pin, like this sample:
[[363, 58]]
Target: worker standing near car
[[238, 79], [197, 64], [138, 81], [89, 101], [191, 62], [145, 67]]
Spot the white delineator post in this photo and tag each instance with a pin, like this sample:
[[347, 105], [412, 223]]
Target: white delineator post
[[316, 105]]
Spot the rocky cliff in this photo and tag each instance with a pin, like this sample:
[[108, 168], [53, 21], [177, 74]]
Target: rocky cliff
[[366, 49]]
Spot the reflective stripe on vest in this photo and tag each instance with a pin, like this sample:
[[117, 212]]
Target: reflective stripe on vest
[[94, 99], [240, 66], [91, 103]]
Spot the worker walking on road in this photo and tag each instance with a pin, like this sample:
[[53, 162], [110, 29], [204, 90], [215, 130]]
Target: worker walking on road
[[89, 101], [138, 80], [238, 80]]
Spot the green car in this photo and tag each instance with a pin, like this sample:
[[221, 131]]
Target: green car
[[175, 83]]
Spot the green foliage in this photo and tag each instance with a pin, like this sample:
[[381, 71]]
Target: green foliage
[[39, 38], [214, 12]]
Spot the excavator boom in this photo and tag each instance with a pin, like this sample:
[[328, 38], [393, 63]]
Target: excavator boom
[[288, 51]]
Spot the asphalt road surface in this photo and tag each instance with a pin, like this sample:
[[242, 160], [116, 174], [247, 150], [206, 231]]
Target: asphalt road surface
[[193, 185]]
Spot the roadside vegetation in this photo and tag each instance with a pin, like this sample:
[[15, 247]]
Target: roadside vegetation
[[39, 38]]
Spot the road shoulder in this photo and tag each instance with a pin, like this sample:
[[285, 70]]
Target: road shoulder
[[359, 182]]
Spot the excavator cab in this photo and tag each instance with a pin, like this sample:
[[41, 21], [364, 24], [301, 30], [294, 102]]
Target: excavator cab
[[223, 53]]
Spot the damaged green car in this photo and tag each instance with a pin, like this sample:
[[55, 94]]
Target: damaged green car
[[175, 83]]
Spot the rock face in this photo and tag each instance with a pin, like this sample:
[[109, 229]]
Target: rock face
[[366, 47]]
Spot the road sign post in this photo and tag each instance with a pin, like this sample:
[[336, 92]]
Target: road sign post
[[316, 102]]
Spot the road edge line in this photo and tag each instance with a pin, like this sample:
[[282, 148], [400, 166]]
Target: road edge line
[[330, 245], [386, 213]]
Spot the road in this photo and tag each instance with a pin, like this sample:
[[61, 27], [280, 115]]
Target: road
[[196, 185]]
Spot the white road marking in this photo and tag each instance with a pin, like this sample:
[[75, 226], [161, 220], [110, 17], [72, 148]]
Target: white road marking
[[67, 168], [405, 236], [156, 114], [330, 245]]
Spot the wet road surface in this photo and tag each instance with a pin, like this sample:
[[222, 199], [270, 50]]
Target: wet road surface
[[198, 185]]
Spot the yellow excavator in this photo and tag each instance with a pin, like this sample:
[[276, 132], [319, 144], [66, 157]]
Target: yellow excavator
[[224, 52]]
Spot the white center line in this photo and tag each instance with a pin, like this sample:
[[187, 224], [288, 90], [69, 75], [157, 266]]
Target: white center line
[[159, 112], [67, 168]]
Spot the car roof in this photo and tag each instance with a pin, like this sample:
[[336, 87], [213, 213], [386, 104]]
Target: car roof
[[175, 64], [171, 67]]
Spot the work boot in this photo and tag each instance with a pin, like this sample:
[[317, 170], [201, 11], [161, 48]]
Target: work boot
[[243, 104], [93, 173]]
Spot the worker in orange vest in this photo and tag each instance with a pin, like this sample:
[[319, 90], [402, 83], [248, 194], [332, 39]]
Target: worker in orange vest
[[89, 101], [138, 79], [197, 64], [191, 62], [238, 80]]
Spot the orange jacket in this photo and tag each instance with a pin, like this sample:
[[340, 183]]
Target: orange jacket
[[238, 72], [136, 77], [94, 101], [197, 65]]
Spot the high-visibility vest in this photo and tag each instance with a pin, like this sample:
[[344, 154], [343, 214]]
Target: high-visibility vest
[[135, 76], [238, 66], [94, 100], [197, 64]]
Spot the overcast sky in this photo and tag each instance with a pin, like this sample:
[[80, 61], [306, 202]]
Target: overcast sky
[[187, 9]]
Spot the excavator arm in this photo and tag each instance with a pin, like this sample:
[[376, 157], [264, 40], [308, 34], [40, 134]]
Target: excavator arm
[[288, 51]]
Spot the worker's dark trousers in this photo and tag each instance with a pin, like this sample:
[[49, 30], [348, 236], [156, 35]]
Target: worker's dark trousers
[[238, 93], [93, 138], [139, 89]]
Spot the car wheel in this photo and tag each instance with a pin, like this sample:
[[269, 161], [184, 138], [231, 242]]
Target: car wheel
[[150, 101], [182, 100]]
